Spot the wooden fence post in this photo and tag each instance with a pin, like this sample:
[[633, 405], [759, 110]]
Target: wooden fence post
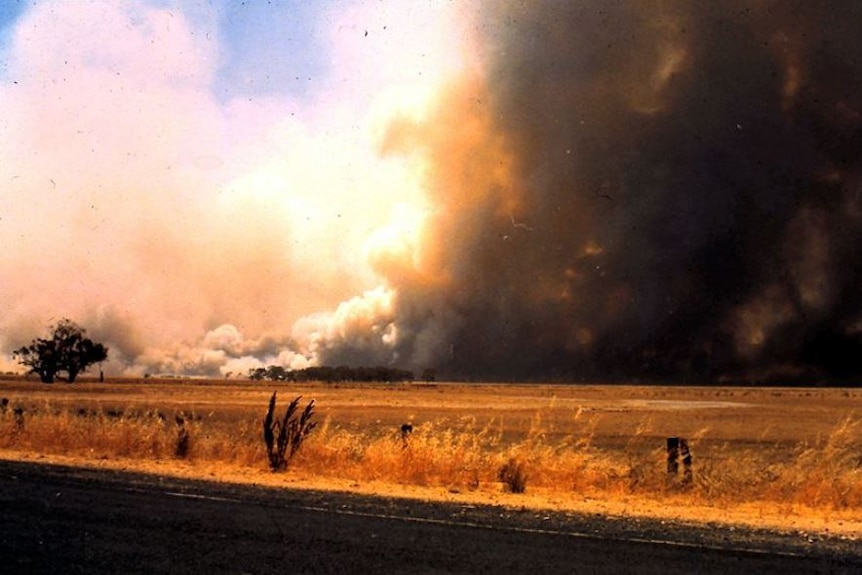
[[672, 455], [406, 430]]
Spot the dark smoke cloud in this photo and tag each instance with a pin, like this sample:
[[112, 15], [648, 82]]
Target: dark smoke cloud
[[657, 189]]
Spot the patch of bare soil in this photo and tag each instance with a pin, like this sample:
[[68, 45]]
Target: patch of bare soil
[[791, 519]]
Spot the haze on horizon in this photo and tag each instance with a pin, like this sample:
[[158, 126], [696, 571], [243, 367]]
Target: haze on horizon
[[587, 190]]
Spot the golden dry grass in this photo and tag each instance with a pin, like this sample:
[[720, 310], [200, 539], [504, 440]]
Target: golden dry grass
[[779, 448]]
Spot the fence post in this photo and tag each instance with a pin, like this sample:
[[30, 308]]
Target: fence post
[[406, 430], [672, 455]]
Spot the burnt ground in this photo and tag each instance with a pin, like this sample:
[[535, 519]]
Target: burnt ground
[[68, 520]]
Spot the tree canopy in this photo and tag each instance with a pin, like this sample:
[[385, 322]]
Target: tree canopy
[[66, 351]]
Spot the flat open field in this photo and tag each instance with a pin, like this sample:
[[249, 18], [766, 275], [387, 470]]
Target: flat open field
[[782, 449], [610, 415]]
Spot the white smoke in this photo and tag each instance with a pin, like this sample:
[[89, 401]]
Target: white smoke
[[189, 232]]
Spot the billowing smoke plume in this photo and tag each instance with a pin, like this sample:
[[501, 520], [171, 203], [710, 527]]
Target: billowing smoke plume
[[660, 189], [596, 190], [184, 199]]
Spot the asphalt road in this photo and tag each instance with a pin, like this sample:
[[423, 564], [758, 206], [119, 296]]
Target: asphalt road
[[57, 519]]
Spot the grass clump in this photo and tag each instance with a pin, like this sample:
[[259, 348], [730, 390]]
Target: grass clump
[[181, 446], [513, 476]]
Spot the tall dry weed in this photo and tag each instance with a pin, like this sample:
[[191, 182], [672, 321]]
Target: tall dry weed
[[823, 474], [436, 454], [89, 433], [460, 454]]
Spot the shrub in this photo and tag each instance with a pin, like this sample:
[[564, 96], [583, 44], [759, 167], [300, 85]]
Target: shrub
[[279, 436]]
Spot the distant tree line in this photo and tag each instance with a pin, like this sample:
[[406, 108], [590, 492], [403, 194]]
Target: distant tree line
[[331, 374]]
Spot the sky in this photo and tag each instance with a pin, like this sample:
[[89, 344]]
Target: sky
[[585, 191]]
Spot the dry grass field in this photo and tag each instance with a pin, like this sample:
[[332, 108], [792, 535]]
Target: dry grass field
[[773, 452]]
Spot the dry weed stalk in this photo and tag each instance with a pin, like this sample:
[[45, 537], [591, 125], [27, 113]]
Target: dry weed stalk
[[288, 433]]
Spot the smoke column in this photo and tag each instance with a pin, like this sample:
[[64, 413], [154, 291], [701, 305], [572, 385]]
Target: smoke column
[[635, 189], [187, 180], [586, 190]]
